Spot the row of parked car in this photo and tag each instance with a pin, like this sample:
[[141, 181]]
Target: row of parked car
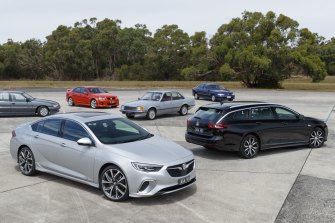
[[123, 159]]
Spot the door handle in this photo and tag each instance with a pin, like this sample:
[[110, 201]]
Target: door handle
[[62, 145], [36, 136], [13, 103]]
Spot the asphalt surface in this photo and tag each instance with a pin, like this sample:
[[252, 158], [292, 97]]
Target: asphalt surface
[[280, 185]]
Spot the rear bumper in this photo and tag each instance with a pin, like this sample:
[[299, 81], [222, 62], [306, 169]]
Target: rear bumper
[[202, 141], [228, 97]]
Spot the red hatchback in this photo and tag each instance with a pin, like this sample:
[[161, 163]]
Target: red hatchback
[[92, 96]]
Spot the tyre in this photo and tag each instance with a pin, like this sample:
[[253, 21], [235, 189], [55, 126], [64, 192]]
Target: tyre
[[249, 147], [114, 184], [317, 138], [26, 161], [93, 104], [183, 110], [196, 96], [130, 115], [151, 114], [213, 98], [70, 101], [230, 99], [43, 111]]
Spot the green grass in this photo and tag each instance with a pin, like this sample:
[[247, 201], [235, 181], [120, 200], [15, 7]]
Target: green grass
[[298, 83]]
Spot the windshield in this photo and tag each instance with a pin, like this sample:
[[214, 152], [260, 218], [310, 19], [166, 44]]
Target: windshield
[[152, 96], [216, 87], [210, 115], [28, 96], [97, 90], [115, 131]]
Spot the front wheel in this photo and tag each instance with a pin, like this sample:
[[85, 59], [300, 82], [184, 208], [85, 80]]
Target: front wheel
[[183, 110], [43, 111], [151, 115], [93, 104], [213, 98], [113, 183], [26, 161], [316, 138], [130, 115], [249, 147], [196, 96], [70, 102]]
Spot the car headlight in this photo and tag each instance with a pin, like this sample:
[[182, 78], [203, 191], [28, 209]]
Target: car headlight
[[147, 167], [55, 106], [102, 99], [122, 107], [221, 95], [140, 108]]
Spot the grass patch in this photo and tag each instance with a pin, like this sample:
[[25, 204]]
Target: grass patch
[[297, 83]]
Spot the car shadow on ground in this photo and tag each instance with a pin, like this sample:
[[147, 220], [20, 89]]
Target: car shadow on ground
[[144, 201]]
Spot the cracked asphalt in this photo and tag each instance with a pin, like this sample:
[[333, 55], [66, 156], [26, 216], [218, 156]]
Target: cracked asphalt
[[281, 185]]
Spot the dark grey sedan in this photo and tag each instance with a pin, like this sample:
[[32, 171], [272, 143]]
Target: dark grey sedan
[[20, 103]]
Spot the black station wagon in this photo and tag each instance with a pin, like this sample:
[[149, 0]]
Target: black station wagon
[[248, 128]]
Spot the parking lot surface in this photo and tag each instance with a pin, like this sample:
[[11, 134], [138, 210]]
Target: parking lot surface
[[279, 185]]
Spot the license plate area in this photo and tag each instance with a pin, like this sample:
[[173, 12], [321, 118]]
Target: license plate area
[[184, 180], [199, 130], [228, 96]]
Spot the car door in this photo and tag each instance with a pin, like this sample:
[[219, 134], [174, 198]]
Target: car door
[[21, 105], [266, 125], [5, 103], [85, 96], [165, 105], [77, 160], [292, 128], [177, 101], [46, 143], [76, 95]]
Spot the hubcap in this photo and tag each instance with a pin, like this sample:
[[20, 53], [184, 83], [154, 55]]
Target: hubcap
[[114, 184], [316, 138], [25, 161], [44, 111], [184, 110], [70, 101], [93, 104], [213, 98], [152, 114], [250, 146]]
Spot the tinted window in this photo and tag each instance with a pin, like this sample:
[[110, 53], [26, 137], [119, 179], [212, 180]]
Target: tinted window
[[4, 97], [113, 131], [285, 114], [215, 87], [241, 115], [77, 90], [167, 96], [97, 90], [209, 114], [18, 97], [73, 131], [51, 127], [37, 126], [200, 86], [261, 113], [83, 90]]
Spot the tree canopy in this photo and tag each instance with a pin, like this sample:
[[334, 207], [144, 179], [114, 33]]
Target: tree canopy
[[260, 50]]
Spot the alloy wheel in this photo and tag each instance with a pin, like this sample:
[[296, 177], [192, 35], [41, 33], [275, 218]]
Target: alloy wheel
[[249, 147], [43, 111], [26, 161], [183, 110], [316, 138], [151, 114], [93, 104], [114, 184]]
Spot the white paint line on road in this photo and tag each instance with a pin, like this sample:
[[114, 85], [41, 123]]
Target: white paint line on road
[[194, 212], [329, 113]]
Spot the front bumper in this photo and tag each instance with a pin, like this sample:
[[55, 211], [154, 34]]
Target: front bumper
[[227, 97], [108, 103], [203, 141], [160, 182], [134, 112], [53, 110]]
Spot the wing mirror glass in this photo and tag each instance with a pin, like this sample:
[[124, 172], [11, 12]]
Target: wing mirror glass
[[84, 142]]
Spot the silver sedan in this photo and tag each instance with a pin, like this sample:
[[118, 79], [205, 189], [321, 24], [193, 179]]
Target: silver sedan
[[104, 151]]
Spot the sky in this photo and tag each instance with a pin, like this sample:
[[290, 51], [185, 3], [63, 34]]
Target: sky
[[21, 20]]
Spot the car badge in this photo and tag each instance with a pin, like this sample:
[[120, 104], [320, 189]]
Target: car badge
[[184, 166], [197, 124]]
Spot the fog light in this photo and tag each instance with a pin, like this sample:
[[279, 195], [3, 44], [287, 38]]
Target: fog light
[[144, 186]]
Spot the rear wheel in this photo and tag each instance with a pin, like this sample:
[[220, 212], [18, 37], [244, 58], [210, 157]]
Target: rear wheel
[[183, 110], [43, 111], [93, 104], [151, 115], [113, 183], [317, 138], [196, 96], [249, 147], [26, 161]]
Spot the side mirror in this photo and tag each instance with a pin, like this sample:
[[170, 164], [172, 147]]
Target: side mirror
[[84, 142]]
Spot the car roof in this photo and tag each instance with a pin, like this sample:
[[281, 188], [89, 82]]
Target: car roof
[[237, 105], [163, 91], [12, 91], [85, 116]]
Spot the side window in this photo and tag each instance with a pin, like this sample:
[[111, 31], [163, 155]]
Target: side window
[[200, 86], [241, 115], [76, 90], [167, 96], [51, 127], [119, 125], [18, 97], [285, 114], [263, 113], [176, 96], [83, 90], [36, 127], [73, 131], [4, 97]]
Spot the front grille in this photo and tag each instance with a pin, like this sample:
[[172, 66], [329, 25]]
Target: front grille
[[129, 108], [111, 98], [181, 169]]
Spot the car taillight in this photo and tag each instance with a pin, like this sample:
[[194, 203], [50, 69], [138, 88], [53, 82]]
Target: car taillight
[[216, 126], [13, 133], [189, 122]]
